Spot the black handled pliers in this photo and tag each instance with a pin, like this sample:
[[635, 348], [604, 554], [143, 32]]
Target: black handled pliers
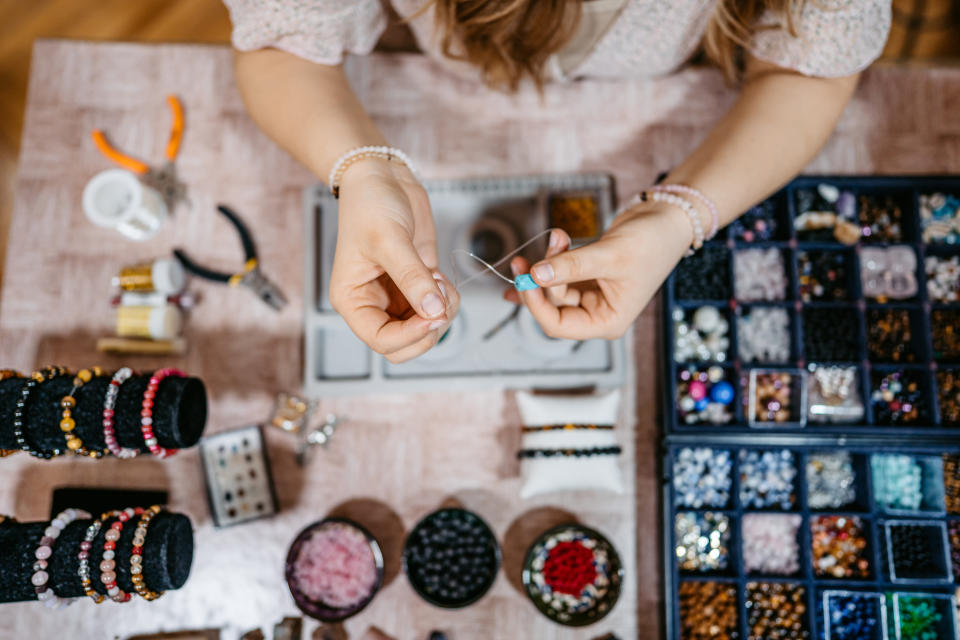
[[251, 276]]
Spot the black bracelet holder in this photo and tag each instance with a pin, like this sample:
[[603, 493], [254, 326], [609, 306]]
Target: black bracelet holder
[[179, 412], [167, 556]]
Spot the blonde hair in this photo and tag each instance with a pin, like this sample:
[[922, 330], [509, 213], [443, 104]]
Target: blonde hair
[[510, 40]]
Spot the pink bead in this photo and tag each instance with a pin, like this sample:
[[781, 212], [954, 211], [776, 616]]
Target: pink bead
[[112, 535], [85, 545], [43, 552], [108, 565], [146, 413], [149, 394], [108, 577], [83, 555], [148, 403], [108, 413], [697, 390], [39, 578]]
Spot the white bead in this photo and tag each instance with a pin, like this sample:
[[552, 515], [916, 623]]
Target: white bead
[[150, 442], [108, 554], [52, 531], [112, 591]]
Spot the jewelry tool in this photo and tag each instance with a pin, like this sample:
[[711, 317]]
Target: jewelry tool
[[164, 179], [250, 277]]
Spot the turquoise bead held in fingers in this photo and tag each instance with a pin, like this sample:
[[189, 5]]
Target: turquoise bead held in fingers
[[524, 282]]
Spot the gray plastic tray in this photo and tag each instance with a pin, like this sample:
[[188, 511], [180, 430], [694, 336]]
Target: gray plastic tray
[[517, 356]]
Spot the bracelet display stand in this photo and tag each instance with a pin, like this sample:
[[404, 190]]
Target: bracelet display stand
[[179, 412], [167, 556]]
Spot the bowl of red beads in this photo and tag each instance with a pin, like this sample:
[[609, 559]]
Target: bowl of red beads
[[334, 568], [573, 575]]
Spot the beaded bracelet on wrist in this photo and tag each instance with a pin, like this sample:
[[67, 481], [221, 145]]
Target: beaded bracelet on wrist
[[569, 453], [353, 156], [48, 373], [67, 423], [108, 565], [109, 402], [83, 556], [699, 195], [569, 427], [146, 411], [136, 555], [40, 577]]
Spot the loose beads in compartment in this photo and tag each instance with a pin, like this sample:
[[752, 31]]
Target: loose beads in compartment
[[943, 279], [708, 611], [890, 336], [704, 275], [898, 398], [759, 223], [67, 423], [702, 541], [702, 335], [919, 618], [826, 214], [831, 334], [951, 482], [916, 551], [897, 481], [767, 479], [881, 218], [889, 273], [40, 577], [853, 616], [954, 534], [833, 394], [770, 545], [704, 396], [945, 330], [763, 335], [759, 275], [776, 610], [831, 480], [940, 218], [772, 397], [823, 276], [702, 477], [839, 547]]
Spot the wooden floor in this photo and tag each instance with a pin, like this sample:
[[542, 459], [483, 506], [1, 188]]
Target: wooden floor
[[23, 21]]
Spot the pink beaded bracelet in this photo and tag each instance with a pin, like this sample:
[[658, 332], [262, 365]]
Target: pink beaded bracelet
[[40, 577], [109, 401], [108, 564], [146, 411], [699, 195]]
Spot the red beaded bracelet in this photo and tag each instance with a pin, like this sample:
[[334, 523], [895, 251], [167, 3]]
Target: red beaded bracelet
[[108, 566], [146, 412]]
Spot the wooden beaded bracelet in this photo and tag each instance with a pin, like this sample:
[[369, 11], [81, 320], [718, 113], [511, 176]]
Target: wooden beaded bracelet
[[7, 374], [84, 556], [568, 427], [108, 565], [568, 453], [40, 577], [47, 373], [67, 423], [146, 412], [136, 555], [109, 402]]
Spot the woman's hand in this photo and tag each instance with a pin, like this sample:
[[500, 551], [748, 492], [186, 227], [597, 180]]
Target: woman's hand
[[598, 290], [385, 281]]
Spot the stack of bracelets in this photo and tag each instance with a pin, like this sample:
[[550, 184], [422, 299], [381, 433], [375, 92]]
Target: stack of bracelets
[[68, 403], [108, 562], [681, 196]]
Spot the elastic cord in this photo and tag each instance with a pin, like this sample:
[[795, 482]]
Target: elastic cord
[[487, 265]]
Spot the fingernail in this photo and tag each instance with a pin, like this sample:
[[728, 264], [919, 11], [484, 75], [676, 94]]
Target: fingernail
[[432, 305], [543, 273], [436, 324], [443, 289], [554, 239]]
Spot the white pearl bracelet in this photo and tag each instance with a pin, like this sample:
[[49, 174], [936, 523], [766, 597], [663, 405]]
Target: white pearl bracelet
[[40, 577], [353, 156]]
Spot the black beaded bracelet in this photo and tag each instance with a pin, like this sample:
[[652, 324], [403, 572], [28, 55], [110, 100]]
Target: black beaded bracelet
[[573, 453], [568, 427], [48, 373]]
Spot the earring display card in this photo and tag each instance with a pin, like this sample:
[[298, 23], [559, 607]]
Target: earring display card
[[237, 472], [491, 343]]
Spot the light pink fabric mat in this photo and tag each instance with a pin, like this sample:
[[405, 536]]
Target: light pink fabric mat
[[400, 456]]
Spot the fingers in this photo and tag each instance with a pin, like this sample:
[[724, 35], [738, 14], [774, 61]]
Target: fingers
[[413, 278], [426, 343], [586, 263], [561, 294], [384, 333]]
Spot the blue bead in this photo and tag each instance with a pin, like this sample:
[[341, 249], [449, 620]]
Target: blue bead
[[524, 282], [701, 404], [722, 392]]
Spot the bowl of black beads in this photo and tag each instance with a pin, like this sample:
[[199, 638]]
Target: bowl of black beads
[[451, 558]]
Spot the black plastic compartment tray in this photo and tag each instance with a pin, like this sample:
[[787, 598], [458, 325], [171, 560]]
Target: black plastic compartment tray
[[908, 188], [873, 519]]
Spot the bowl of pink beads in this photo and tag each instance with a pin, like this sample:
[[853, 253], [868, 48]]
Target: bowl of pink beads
[[334, 569]]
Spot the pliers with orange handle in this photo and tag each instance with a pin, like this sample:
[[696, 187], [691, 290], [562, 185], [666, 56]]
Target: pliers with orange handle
[[165, 178]]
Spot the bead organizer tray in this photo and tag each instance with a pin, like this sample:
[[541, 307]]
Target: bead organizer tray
[[821, 529], [777, 296], [489, 344]]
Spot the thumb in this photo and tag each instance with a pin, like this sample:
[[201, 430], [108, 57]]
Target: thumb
[[579, 265], [416, 282]]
